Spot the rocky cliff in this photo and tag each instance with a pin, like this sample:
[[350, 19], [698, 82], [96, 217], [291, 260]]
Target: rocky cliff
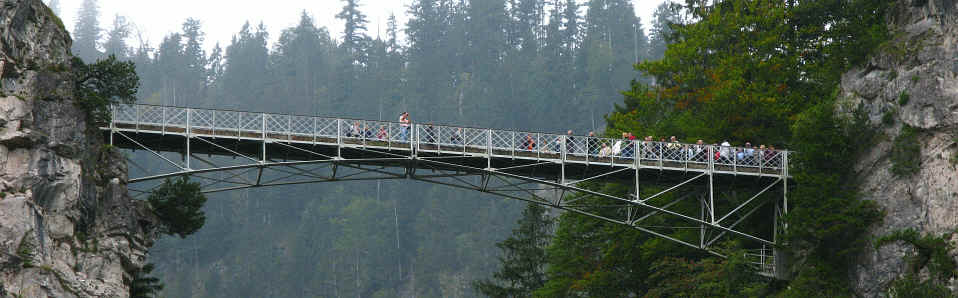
[[67, 225], [911, 81]]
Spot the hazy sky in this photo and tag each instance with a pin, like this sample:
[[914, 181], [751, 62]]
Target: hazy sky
[[222, 19]]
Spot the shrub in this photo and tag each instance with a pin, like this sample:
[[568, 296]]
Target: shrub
[[888, 118], [906, 153], [179, 203], [903, 98]]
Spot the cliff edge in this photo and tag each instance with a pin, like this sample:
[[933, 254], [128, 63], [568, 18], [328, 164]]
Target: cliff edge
[[68, 228]]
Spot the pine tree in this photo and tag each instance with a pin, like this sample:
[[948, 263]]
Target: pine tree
[[193, 78], [524, 257], [354, 33], [86, 32], [116, 38]]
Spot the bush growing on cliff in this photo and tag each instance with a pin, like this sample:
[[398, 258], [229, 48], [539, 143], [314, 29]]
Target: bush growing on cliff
[[906, 153], [178, 203], [932, 252], [104, 83]]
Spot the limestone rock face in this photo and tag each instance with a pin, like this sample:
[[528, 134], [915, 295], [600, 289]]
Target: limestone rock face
[[913, 81], [68, 228]]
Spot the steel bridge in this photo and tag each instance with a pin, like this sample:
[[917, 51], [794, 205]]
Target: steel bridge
[[229, 150]]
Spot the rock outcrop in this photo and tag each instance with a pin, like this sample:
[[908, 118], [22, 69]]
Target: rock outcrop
[[68, 228], [913, 81]]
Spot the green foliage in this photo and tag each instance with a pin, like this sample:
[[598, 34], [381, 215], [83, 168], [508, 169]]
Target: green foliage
[[711, 277], [179, 203], [903, 98], [828, 220], [933, 252], [142, 285], [102, 84], [888, 118], [912, 286], [26, 250], [893, 74], [905, 152], [915, 78], [523, 261]]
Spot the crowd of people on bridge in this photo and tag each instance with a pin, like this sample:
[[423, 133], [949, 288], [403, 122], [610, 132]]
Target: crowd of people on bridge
[[626, 147]]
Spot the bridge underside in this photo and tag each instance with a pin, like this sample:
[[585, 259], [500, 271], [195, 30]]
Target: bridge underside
[[693, 205]]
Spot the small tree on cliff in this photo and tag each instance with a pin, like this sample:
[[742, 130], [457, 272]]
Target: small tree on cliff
[[178, 203], [101, 84]]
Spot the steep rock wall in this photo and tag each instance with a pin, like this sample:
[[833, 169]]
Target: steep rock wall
[[68, 228], [913, 80]]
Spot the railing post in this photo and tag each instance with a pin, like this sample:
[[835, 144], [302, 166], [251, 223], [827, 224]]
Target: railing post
[[163, 120], [112, 123], [264, 136], [413, 136], [562, 154], [339, 138], [289, 128], [362, 132], [638, 163], [538, 146], [213, 123], [513, 145], [189, 130], [136, 111], [314, 131], [489, 148]]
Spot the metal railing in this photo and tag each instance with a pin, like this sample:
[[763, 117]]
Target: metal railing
[[449, 139]]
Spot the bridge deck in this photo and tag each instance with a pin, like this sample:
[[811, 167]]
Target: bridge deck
[[252, 133]]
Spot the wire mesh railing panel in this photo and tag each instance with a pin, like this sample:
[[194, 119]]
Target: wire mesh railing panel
[[251, 121], [301, 125], [650, 151], [502, 140], [475, 137], [673, 151], [604, 147], [352, 129], [550, 143], [451, 136], [277, 123], [201, 118], [526, 141], [725, 156], [772, 159], [698, 154], [326, 127], [176, 117], [151, 115], [622, 148], [429, 134], [226, 120], [377, 130], [399, 133], [576, 146], [124, 113]]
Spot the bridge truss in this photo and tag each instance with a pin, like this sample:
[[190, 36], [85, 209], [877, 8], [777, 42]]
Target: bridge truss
[[669, 182]]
